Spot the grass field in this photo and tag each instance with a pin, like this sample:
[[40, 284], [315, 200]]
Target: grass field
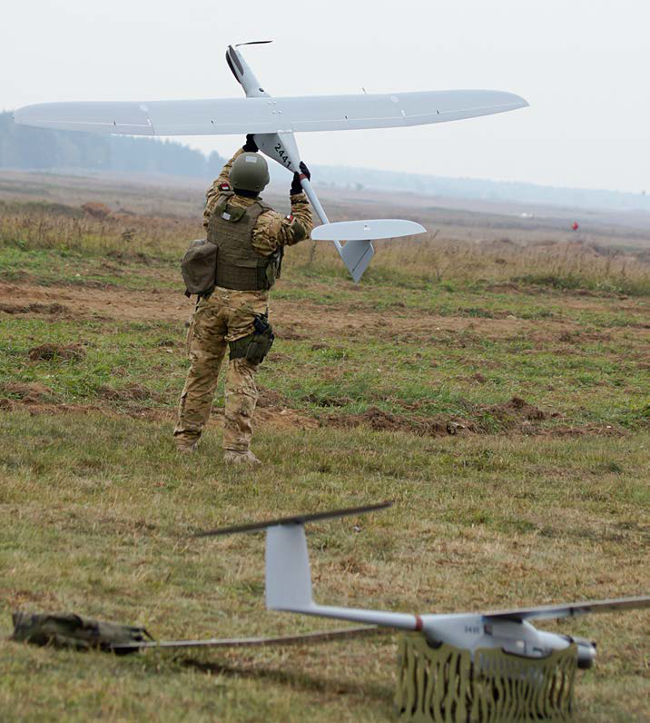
[[499, 392]]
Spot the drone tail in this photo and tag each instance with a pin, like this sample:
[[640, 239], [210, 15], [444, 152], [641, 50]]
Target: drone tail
[[354, 239], [288, 576], [288, 583], [288, 580], [357, 256]]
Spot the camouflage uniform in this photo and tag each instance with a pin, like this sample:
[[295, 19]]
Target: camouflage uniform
[[227, 315]]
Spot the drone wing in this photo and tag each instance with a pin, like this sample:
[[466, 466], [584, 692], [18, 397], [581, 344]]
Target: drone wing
[[282, 640], [551, 612], [268, 115]]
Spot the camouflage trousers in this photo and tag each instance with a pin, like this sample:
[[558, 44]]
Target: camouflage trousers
[[225, 316]]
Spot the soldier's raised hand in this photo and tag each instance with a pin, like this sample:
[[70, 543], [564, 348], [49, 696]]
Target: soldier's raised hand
[[296, 186]]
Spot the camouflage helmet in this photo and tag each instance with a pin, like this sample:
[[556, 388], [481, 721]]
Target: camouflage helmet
[[249, 172]]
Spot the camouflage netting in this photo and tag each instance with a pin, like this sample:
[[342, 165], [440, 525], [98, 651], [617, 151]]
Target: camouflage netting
[[442, 685]]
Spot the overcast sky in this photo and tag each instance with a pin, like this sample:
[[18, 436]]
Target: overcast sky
[[581, 64]]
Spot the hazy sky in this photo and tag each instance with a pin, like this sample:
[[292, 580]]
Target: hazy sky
[[582, 65]]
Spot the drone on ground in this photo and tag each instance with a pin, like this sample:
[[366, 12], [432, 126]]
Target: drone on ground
[[273, 122], [457, 666]]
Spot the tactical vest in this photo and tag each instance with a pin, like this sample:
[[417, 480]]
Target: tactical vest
[[239, 266]]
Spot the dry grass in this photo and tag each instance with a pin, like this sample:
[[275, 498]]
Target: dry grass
[[97, 510], [429, 259], [97, 506], [556, 264], [43, 226]]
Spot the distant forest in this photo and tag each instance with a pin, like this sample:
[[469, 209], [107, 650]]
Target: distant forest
[[35, 149], [38, 149]]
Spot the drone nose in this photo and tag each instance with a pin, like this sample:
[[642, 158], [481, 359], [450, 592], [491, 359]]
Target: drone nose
[[586, 653]]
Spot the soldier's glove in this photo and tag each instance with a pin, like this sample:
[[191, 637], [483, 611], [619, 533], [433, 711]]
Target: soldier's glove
[[250, 146], [296, 187]]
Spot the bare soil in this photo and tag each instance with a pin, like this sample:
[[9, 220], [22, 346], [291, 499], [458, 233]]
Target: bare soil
[[46, 352], [303, 320]]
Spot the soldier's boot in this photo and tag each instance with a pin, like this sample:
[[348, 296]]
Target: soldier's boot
[[244, 458]]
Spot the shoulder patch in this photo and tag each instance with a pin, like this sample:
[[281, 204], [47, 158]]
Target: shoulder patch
[[224, 187], [289, 217]]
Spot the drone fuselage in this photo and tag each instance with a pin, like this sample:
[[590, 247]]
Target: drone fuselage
[[474, 631]]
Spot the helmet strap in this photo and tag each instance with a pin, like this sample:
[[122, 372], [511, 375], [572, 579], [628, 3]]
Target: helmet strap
[[247, 194]]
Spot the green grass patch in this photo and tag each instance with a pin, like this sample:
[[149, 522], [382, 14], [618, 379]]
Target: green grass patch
[[487, 518]]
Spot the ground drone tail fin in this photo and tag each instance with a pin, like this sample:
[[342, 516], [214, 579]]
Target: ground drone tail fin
[[288, 576]]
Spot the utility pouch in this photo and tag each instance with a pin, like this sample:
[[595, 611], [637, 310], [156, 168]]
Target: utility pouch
[[199, 267], [255, 346], [67, 630], [273, 269]]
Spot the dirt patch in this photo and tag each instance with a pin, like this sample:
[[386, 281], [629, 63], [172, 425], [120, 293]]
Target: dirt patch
[[27, 393], [274, 410], [269, 398], [128, 393], [381, 421], [288, 334], [276, 356], [510, 416], [34, 308], [516, 415], [293, 321], [287, 418], [97, 303], [47, 352]]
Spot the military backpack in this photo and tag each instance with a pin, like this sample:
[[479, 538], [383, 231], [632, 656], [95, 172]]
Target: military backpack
[[67, 630]]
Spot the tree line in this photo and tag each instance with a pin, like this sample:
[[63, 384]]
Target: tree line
[[22, 147]]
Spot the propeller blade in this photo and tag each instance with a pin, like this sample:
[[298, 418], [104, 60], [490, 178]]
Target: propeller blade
[[295, 520], [254, 42]]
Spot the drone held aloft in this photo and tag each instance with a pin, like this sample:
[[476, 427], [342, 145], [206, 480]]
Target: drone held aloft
[[273, 122]]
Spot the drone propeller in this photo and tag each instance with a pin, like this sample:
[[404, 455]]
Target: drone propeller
[[254, 42], [295, 520]]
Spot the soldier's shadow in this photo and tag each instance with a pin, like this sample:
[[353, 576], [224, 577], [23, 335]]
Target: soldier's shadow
[[294, 679]]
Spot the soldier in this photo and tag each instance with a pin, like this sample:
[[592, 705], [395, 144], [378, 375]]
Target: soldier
[[250, 238]]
